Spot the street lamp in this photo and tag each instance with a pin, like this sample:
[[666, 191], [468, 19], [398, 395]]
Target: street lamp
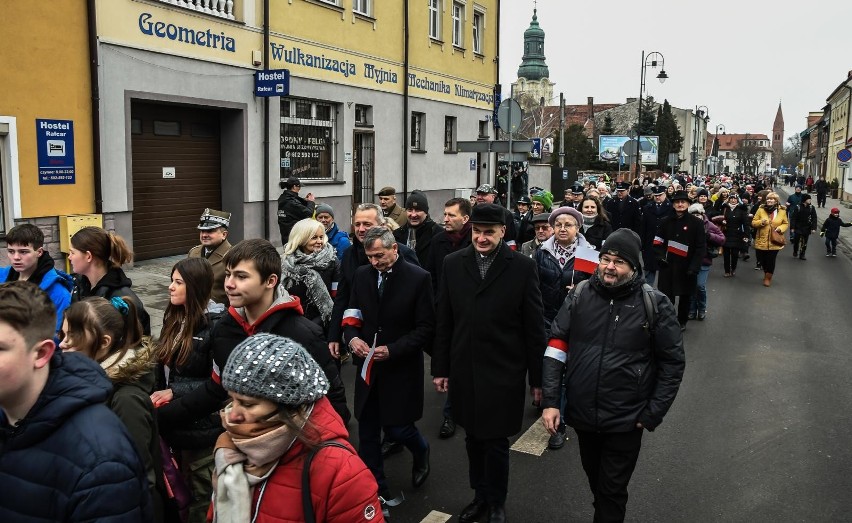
[[701, 112], [717, 153], [653, 60]]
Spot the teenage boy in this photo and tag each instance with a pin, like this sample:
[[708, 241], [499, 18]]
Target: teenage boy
[[258, 304], [65, 455], [30, 262]]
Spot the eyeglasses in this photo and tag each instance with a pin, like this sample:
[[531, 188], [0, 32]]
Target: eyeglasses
[[542, 227], [618, 262], [564, 226]]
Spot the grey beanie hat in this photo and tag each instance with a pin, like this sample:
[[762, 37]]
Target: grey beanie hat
[[625, 244], [274, 368], [324, 207]]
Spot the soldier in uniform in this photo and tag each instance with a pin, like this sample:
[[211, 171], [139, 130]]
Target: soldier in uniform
[[214, 245]]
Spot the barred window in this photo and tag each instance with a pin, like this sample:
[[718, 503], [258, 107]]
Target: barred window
[[308, 140]]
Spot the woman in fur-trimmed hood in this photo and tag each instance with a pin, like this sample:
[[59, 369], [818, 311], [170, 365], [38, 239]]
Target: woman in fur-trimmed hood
[[109, 332]]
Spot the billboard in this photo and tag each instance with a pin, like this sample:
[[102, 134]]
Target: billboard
[[610, 148]]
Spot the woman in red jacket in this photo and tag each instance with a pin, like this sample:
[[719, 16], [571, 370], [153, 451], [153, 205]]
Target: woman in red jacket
[[278, 417]]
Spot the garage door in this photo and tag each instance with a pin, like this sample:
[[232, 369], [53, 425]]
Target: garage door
[[176, 175]]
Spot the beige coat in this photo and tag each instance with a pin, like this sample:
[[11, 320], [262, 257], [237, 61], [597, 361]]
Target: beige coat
[[398, 214], [761, 239], [218, 265]]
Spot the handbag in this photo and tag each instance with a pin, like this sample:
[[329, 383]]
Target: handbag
[[776, 238]]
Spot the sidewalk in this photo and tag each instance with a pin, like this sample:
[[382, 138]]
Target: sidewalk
[[844, 241], [151, 279]]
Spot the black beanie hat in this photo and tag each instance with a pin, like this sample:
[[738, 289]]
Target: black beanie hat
[[417, 200], [625, 244]]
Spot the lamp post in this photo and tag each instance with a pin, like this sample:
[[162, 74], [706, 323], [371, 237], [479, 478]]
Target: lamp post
[[717, 153], [653, 60], [700, 112]]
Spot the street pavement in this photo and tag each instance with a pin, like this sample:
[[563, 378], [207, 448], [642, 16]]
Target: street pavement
[[759, 431]]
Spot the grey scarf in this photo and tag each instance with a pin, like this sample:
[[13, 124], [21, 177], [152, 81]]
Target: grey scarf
[[304, 268]]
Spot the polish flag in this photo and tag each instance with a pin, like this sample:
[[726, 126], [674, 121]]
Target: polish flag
[[658, 240], [352, 318], [678, 248], [586, 259]]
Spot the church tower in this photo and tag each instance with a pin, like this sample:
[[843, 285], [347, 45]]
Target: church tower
[[533, 83], [778, 138]]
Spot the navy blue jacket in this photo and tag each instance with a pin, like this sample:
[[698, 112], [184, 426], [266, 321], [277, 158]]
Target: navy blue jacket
[[71, 458]]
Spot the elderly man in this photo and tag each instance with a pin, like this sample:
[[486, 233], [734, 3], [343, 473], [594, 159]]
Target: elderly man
[[389, 323], [543, 232], [387, 201], [214, 246], [485, 193], [489, 336], [616, 384], [337, 238]]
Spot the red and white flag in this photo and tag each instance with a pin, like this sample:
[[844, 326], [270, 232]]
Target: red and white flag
[[678, 249], [586, 259], [658, 240]]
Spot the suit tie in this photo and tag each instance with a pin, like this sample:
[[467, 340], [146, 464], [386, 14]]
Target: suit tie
[[383, 278]]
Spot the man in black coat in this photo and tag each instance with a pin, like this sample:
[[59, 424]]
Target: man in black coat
[[623, 210], [804, 221], [389, 323], [489, 337], [292, 208], [418, 231], [652, 215], [821, 188], [679, 254]]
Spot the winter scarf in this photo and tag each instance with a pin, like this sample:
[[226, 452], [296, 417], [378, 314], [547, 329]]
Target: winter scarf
[[304, 268], [457, 236], [245, 455]]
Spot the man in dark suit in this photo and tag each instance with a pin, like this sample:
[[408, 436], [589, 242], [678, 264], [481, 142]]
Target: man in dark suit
[[653, 213], [489, 337], [389, 322], [623, 210]]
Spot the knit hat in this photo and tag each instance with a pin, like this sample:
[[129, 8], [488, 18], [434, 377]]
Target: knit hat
[[274, 368], [565, 210], [544, 198], [325, 208], [417, 201], [702, 192], [625, 244], [649, 189], [835, 210], [696, 208]]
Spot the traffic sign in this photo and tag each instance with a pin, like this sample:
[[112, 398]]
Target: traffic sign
[[843, 165], [844, 155], [509, 110]]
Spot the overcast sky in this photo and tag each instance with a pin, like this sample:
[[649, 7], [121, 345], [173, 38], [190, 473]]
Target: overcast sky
[[737, 58]]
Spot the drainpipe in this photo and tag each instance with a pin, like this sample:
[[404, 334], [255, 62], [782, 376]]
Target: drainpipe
[[267, 175], [492, 157], [96, 102], [405, 132], [848, 107]]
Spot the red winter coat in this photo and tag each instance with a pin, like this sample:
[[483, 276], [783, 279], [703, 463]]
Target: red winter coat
[[342, 488]]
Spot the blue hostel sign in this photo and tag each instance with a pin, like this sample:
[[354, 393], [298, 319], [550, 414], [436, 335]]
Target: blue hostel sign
[[274, 82], [55, 147]]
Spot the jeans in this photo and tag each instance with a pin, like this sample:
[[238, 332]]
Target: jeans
[[698, 302], [830, 245]]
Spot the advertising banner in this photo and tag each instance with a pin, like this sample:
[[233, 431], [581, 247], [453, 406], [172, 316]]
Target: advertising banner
[[610, 148]]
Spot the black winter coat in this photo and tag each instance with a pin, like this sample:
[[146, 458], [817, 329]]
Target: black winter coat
[[554, 281], [489, 337], [114, 283], [678, 274], [617, 373], [627, 214], [831, 226], [804, 219], [597, 234], [283, 318], [526, 232], [736, 226], [291, 209], [404, 320], [652, 216], [423, 234], [353, 258], [71, 458], [441, 247]]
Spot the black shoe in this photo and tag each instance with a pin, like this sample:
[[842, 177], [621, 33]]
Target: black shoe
[[389, 448], [701, 316], [421, 468], [497, 514], [691, 316], [746, 257], [448, 429], [802, 257], [475, 510], [557, 440], [795, 254]]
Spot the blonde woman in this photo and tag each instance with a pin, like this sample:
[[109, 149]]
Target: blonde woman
[[770, 217]]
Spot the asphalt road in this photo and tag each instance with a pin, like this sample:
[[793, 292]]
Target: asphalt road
[[759, 430]]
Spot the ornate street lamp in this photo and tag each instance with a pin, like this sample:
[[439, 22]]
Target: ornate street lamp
[[716, 152], [652, 60]]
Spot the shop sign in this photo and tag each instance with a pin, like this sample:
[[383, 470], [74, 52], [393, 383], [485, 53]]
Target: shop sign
[[307, 149], [275, 82], [55, 151]]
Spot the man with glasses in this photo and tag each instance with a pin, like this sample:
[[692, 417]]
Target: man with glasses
[[543, 232], [616, 385]]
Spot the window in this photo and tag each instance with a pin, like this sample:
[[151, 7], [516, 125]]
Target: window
[[458, 24], [478, 28], [449, 134], [308, 139], [166, 128], [363, 115], [483, 129], [435, 19], [332, 2], [362, 7], [417, 128]]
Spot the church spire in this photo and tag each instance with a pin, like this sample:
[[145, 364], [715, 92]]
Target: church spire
[[779, 120], [533, 66], [778, 137]]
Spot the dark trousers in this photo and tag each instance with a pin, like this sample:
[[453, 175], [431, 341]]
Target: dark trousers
[[609, 459], [488, 468], [370, 439], [830, 245], [730, 255], [766, 260], [821, 200], [802, 242]]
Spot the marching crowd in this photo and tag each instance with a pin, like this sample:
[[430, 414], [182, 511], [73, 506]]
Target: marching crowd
[[100, 420]]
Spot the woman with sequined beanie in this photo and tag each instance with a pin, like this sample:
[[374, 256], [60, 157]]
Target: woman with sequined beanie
[[279, 415]]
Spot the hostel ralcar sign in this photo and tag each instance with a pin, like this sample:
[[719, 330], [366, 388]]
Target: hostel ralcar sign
[[55, 147], [275, 82]]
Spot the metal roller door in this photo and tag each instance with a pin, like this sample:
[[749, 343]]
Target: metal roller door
[[176, 175]]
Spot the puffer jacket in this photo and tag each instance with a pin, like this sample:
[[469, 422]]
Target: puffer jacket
[[715, 238], [554, 281], [762, 232], [343, 490], [55, 283], [617, 373], [200, 433], [71, 458], [291, 209], [339, 240]]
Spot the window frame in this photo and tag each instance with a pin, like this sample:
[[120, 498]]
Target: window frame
[[450, 134], [458, 17], [368, 8], [435, 26], [478, 31], [313, 120], [417, 133]]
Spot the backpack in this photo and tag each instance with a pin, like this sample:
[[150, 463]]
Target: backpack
[[647, 298]]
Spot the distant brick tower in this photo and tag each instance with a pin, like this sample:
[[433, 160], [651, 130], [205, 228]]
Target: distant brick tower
[[778, 138]]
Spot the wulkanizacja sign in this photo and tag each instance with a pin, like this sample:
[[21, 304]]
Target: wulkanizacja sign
[[202, 37]]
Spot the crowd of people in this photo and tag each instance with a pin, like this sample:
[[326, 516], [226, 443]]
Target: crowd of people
[[498, 298]]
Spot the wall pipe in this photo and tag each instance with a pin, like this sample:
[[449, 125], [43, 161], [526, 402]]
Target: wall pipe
[[267, 179], [405, 94], [91, 14]]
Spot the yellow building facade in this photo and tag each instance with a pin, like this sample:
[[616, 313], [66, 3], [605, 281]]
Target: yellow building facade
[[838, 133]]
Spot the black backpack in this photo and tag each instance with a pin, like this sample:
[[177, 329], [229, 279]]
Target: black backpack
[[647, 298]]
